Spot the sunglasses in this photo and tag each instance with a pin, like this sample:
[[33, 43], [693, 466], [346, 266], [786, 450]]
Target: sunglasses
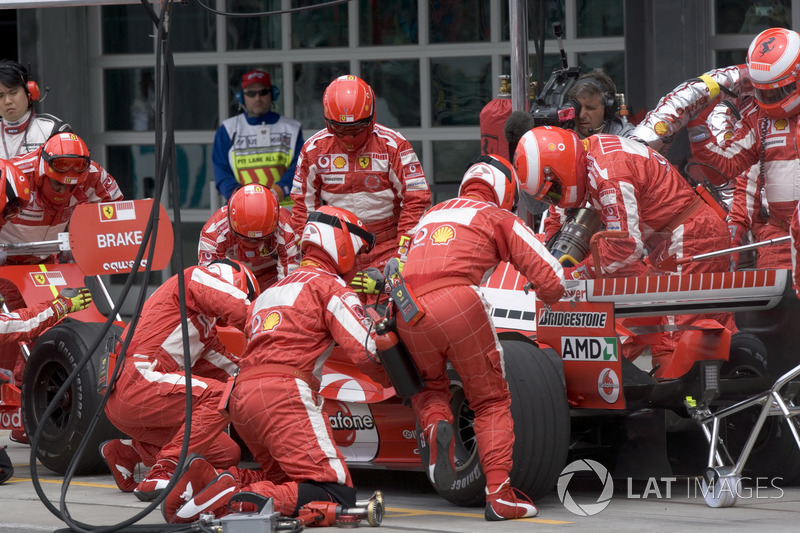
[[253, 94], [67, 162]]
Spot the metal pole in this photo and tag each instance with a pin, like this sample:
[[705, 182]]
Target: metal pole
[[518, 28]]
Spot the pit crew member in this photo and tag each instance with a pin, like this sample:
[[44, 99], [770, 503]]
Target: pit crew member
[[148, 401], [61, 175], [762, 142], [363, 167], [23, 130], [455, 245], [275, 405], [627, 184], [254, 230]]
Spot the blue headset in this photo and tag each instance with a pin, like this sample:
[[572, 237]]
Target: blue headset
[[240, 96]]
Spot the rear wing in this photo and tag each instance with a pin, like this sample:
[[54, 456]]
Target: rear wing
[[747, 290]]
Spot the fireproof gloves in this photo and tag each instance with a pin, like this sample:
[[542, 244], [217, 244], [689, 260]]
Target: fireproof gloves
[[72, 300], [368, 281]]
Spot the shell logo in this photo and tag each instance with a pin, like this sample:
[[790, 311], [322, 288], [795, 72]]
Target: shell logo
[[781, 124], [660, 128], [339, 162], [272, 321], [551, 147], [443, 235]]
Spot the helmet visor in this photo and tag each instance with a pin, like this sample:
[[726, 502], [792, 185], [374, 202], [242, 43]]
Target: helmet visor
[[67, 162], [773, 96], [550, 192], [348, 129]]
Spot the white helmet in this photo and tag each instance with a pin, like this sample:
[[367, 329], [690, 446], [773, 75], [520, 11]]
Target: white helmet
[[338, 233], [236, 274], [773, 64], [498, 174]]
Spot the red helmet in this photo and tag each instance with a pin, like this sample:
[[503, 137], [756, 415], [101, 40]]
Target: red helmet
[[15, 190], [236, 274], [338, 233], [498, 174], [550, 167], [253, 211], [65, 159], [349, 107], [773, 62]]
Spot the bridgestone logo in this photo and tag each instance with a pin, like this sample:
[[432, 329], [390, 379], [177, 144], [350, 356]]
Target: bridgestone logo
[[571, 320]]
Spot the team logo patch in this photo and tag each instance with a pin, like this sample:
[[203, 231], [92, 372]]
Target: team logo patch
[[417, 184], [272, 321], [333, 179], [372, 182], [608, 196], [255, 324], [364, 162], [610, 212], [443, 235], [340, 162], [41, 279], [413, 170]]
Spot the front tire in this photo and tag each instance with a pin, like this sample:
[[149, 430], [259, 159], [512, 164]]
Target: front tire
[[541, 428], [54, 356]]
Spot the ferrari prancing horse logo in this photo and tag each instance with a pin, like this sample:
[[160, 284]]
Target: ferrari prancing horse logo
[[108, 211], [43, 279]]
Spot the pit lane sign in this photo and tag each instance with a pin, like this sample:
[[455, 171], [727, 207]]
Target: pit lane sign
[[104, 238]]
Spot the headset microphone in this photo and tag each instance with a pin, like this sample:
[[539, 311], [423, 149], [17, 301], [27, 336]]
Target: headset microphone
[[46, 90], [592, 131]]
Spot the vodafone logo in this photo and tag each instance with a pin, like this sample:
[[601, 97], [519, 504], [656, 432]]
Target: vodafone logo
[[11, 420], [608, 385], [346, 424]]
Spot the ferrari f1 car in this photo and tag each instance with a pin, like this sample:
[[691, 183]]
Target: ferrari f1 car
[[575, 396]]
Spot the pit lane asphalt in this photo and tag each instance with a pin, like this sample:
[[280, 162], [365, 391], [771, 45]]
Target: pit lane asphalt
[[412, 505]]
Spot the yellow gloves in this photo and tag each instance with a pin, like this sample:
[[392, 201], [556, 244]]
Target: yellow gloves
[[71, 301], [368, 281]]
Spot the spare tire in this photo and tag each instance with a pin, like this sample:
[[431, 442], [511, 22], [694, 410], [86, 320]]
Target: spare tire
[[54, 356], [541, 416]]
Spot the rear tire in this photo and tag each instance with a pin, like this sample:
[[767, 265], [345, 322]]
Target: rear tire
[[541, 428], [54, 356]]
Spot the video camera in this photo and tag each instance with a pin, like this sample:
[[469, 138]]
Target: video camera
[[551, 107]]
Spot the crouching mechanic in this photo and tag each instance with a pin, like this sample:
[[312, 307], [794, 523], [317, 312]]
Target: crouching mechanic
[[453, 248], [254, 230], [275, 406], [148, 400], [635, 190]]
